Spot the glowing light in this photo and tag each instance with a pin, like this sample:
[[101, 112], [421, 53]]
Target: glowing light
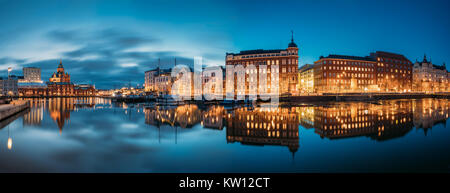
[[9, 143]]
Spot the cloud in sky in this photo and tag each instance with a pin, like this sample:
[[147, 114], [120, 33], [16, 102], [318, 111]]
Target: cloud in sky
[[112, 43], [107, 57], [106, 44]]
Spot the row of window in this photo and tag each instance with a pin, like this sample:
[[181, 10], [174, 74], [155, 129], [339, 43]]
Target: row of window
[[348, 68], [393, 61], [266, 62], [268, 55], [348, 75], [340, 62]]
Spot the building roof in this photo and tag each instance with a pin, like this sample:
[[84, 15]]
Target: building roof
[[163, 71], [333, 56], [60, 83], [258, 51], [31, 85], [305, 67], [388, 55]]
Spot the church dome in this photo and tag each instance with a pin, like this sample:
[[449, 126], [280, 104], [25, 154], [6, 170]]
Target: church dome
[[292, 44]]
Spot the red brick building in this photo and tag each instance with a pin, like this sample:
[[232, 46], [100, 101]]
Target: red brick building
[[286, 59], [394, 72], [344, 74]]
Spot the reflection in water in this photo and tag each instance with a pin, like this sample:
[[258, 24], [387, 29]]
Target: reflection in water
[[123, 136], [264, 126], [59, 109], [258, 126], [387, 120], [279, 126]]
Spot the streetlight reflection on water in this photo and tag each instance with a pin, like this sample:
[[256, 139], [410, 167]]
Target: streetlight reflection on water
[[94, 133]]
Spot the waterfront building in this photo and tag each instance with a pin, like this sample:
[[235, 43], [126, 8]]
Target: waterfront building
[[9, 86], [211, 85], [159, 81], [59, 83], [164, 82], [150, 76], [306, 79], [393, 72], [105, 92], [85, 90], [31, 75], [344, 74], [428, 77], [33, 89], [286, 59]]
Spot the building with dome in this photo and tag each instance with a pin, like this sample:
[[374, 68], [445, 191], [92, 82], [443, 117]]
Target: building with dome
[[428, 77], [59, 83], [285, 59]]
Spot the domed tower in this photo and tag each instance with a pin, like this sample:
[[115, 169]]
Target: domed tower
[[60, 69], [292, 47], [291, 75]]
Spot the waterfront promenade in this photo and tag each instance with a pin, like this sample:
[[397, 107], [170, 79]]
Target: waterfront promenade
[[14, 107], [314, 98]]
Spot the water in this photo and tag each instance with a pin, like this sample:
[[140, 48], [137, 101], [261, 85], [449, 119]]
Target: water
[[96, 135]]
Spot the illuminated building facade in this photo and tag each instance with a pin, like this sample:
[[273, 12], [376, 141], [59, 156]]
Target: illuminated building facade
[[150, 76], [85, 90], [32, 75], [286, 59], [9, 86], [59, 83], [393, 72], [344, 74], [428, 77], [306, 79]]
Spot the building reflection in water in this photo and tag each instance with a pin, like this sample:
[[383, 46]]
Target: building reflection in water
[[383, 121], [260, 126], [59, 109], [184, 116], [264, 126], [429, 112], [379, 121]]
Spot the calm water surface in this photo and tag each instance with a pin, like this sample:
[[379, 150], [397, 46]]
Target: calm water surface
[[96, 135]]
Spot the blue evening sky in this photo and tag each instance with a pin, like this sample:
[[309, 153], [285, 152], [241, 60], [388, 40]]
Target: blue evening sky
[[111, 43]]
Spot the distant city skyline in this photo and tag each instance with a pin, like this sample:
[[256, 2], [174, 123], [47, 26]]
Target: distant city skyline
[[110, 44]]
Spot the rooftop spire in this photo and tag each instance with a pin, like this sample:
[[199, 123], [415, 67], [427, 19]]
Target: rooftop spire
[[60, 64], [292, 44], [424, 57], [292, 36]]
